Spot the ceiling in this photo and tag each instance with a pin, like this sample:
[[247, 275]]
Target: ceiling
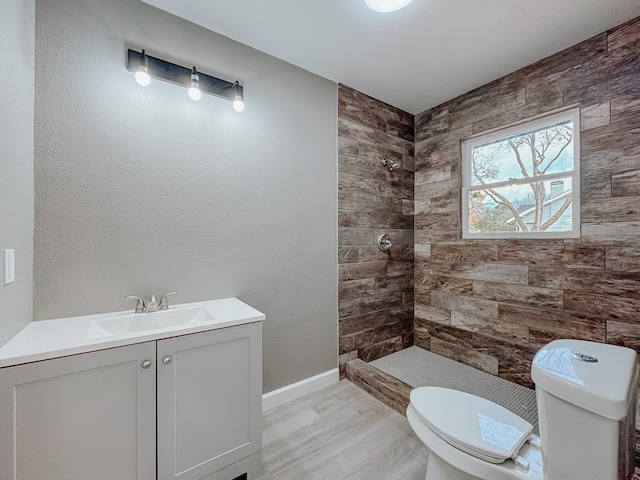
[[415, 58]]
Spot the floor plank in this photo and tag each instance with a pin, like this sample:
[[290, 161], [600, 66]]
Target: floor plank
[[340, 432]]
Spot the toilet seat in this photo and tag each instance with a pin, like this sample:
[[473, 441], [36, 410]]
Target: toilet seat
[[468, 466], [472, 424]]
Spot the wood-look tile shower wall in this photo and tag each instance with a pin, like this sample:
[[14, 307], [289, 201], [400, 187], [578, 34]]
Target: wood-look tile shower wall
[[375, 288], [493, 303]]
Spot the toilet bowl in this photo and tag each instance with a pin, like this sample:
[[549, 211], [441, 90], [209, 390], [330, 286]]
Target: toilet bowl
[[586, 394]]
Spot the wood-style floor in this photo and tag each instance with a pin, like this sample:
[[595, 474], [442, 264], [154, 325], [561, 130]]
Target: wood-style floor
[[340, 433]]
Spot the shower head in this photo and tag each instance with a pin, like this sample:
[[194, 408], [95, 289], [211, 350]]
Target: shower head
[[391, 165]]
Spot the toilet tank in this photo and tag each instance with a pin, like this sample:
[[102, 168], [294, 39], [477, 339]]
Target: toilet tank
[[586, 395]]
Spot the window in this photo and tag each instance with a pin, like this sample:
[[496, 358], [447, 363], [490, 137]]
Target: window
[[523, 181]]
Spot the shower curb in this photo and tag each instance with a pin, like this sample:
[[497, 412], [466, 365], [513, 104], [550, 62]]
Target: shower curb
[[386, 388]]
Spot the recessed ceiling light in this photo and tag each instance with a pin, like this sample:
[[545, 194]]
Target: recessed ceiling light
[[386, 6]]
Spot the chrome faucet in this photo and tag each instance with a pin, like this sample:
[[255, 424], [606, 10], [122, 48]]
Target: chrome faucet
[[152, 304]]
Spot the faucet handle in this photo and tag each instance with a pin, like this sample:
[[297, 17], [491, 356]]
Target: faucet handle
[[140, 306], [163, 305]]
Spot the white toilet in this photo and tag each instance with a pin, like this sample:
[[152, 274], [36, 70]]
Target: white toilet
[[586, 394]]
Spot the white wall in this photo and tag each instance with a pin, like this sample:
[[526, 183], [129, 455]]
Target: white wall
[[17, 24], [141, 191]]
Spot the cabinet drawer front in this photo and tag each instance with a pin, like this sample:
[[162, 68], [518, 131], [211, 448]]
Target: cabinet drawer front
[[79, 417], [209, 401]]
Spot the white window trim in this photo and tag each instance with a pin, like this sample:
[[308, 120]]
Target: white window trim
[[539, 122]]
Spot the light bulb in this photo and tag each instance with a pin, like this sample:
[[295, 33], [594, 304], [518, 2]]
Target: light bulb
[[238, 100], [387, 6], [194, 90], [238, 105], [142, 76], [194, 93]]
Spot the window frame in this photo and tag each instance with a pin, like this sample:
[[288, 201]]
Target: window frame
[[520, 128]]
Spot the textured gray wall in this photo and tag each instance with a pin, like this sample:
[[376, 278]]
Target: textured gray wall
[[141, 191], [17, 23]]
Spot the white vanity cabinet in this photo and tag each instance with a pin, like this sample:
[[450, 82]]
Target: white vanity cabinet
[[93, 415], [89, 416]]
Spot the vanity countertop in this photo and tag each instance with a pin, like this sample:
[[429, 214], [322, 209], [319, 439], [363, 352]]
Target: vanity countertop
[[46, 339]]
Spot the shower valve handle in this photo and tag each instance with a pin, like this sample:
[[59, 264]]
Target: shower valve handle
[[384, 242]]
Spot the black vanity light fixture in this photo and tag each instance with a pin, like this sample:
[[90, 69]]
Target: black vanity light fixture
[[147, 67]]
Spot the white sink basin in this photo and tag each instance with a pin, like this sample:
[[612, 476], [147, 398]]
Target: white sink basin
[[148, 322]]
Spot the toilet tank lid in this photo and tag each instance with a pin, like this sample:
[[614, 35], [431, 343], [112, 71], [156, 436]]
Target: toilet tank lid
[[595, 376]]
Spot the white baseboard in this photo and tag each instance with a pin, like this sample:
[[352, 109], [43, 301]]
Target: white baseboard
[[296, 390]]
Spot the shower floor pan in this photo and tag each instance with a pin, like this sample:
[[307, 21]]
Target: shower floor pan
[[393, 377]]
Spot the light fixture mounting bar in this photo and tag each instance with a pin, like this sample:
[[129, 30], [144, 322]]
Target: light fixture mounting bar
[[178, 75]]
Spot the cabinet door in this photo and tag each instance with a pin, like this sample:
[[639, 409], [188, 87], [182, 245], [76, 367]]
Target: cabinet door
[[89, 416], [209, 401]]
